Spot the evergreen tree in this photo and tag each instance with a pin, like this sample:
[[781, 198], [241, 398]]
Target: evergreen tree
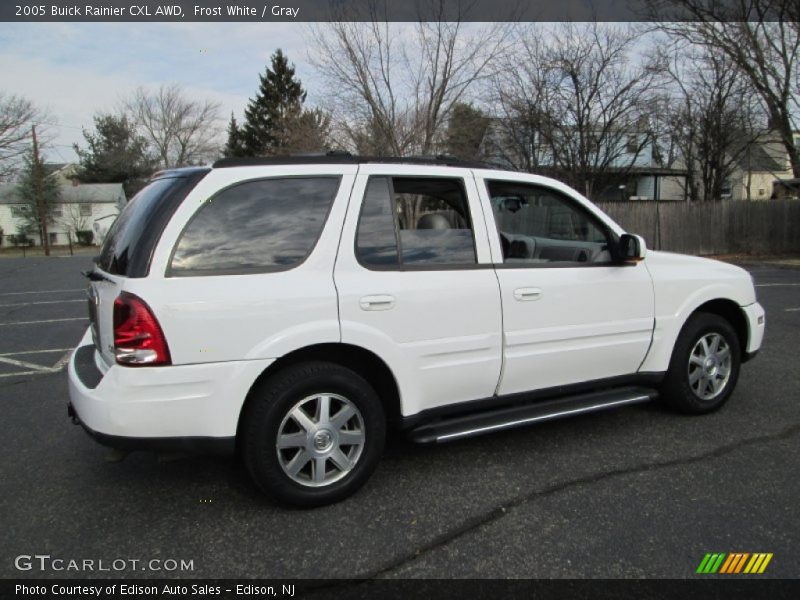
[[34, 186], [465, 131], [269, 116], [235, 144], [115, 153], [307, 132]]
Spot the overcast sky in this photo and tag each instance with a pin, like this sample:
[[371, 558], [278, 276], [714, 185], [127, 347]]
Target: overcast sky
[[76, 69]]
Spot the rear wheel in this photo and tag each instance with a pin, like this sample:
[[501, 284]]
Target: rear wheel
[[313, 433], [704, 367]]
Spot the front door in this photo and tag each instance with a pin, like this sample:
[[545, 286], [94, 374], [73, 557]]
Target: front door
[[570, 314]]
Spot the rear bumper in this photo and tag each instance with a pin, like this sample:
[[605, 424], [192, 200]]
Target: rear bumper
[[195, 445], [177, 408]]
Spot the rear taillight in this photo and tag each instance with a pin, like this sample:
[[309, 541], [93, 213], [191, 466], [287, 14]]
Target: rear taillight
[[138, 339]]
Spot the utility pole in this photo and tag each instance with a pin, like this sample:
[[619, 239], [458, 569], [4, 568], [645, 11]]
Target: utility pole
[[40, 208]]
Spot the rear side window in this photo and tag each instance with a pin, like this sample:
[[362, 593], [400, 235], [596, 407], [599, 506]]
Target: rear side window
[[415, 223], [255, 227], [376, 240], [131, 240]]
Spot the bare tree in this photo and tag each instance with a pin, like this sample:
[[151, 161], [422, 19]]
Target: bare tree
[[73, 220], [394, 88], [181, 131], [523, 94], [761, 38], [576, 102], [17, 115], [712, 118]]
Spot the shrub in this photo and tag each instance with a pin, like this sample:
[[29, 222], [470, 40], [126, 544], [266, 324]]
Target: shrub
[[85, 237], [20, 240]]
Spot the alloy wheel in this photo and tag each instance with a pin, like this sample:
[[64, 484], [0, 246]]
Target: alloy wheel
[[709, 366], [320, 439]]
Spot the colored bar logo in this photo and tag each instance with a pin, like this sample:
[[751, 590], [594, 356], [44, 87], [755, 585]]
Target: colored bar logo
[[734, 563]]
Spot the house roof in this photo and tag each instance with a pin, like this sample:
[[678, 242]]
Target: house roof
[[751, 155], [50, 168], [86, 193]]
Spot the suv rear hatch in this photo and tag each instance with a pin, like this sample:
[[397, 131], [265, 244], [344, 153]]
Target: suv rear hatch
[[128, 248]]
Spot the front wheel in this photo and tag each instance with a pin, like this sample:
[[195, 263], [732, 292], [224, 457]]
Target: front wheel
[[313, 434], [704, 367]]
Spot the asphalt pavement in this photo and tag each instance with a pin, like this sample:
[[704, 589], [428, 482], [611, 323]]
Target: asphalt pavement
[[637, 492]]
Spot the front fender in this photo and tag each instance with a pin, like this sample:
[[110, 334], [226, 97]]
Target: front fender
[[668, 325]]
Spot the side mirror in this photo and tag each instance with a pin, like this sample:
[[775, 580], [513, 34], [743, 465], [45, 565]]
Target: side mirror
[[632, 248]]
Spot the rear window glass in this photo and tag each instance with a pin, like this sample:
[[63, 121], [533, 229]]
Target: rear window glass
[[127, 231], [131, 240], [255, 227]]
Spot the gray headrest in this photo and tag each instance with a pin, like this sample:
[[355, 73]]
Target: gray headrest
[[434, 221]]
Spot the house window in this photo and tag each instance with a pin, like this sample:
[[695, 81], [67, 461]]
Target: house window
[[86, 210], [632, 146], [592, 143], [726, 190], [56, 212], [53, 237], [16, 211]]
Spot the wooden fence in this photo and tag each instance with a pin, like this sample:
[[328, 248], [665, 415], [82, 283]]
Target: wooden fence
[[728, 227]]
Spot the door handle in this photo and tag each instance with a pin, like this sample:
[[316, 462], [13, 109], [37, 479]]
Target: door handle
[[378, 302], [527, 294]]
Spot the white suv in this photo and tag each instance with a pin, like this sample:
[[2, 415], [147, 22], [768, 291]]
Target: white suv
[[295, 308]]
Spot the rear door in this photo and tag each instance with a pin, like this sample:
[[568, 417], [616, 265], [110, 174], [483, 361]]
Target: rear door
[[416, 284], [570, 313]]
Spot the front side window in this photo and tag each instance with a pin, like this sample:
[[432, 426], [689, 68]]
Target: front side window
[[255, 227], [540, 226], [415, 222]]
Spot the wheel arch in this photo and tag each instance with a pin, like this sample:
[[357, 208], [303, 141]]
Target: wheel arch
[[364, 362], [677, 389], [732, 313], [669, 328]]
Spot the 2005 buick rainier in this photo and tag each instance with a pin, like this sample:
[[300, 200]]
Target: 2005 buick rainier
[[292, 310]]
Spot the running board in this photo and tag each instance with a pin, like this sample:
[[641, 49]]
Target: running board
[[490, 421]]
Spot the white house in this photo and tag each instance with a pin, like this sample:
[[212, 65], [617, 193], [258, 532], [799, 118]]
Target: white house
[[628, 157], [81, 207]]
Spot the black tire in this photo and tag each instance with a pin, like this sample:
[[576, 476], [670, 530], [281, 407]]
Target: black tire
[[267, 412], [676, 391]]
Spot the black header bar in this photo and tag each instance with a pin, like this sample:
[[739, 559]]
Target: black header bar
[[253, 11], [709, 588]]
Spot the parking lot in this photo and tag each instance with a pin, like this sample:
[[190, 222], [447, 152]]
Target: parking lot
[[637, 492]]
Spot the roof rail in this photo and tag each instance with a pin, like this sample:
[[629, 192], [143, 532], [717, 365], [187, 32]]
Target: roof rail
[[177, 172], [344, 157]]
